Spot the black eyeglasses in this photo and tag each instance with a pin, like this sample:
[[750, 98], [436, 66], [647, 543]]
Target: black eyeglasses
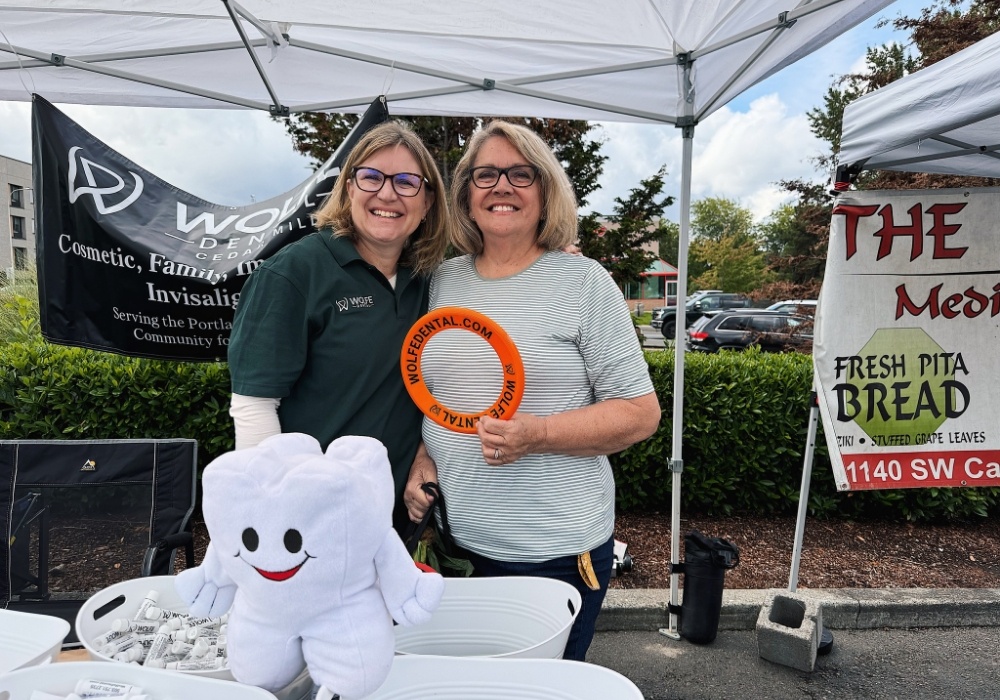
[[372, 180], [486, 176]]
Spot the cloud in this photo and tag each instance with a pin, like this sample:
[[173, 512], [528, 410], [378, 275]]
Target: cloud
[[737, 155], [635, 152], [15, 130], [228, 157], [742, 155]]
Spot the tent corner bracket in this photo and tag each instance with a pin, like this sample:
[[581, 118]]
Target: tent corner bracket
[[57, 59], [277, 110], [686, 124], [489, 84], [784, 22]]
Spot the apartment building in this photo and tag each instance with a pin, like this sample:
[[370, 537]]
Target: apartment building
[[17, 217]]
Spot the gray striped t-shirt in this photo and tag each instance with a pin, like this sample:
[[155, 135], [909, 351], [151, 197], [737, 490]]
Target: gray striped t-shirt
[[573, 331]]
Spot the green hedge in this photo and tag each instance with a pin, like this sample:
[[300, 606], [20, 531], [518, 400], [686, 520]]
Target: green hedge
[[745, 421], [55, 392], [746, 417]]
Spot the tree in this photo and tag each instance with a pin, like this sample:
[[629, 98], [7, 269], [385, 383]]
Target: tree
[[715, 219], [669, 242], [942, 29], [796, 236], [575, 149], [317, 135], [795, 239], [617, 241], [731, 264]]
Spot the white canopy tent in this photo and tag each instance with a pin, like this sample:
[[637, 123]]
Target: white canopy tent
[[654, 61], [941, 119]]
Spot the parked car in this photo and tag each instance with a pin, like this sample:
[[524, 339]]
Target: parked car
[[656, 318], [805, 307], [738, 329], [660, 311], [696, 308]]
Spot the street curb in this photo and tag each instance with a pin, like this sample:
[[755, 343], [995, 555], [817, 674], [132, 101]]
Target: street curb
[[843, 608]]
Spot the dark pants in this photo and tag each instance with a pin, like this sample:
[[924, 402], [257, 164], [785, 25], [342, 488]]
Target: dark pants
[[563, 569]]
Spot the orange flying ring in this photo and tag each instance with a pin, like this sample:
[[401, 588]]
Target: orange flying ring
[[455, 317]]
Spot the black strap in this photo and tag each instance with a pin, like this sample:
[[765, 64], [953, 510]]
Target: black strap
[[434, 490], [415, 531]]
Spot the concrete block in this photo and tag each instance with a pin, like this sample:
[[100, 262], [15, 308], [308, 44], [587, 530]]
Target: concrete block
[[788, 630]]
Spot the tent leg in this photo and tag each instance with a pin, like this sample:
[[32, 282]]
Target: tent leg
[[677, 462], [807, 465]]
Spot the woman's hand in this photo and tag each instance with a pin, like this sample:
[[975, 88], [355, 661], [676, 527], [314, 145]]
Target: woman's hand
[[506, 441], [602, 428], [418, 502]]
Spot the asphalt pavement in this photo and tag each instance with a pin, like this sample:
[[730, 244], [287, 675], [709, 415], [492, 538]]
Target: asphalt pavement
[[879, 664], [889, 644]]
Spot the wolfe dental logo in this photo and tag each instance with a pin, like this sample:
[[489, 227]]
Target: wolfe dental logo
[[110, 199], [89, 466], [348, 303]]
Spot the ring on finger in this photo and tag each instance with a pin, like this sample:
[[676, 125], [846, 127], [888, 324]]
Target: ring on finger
[[496, 453]]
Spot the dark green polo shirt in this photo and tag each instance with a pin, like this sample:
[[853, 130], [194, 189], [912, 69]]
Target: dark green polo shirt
[[321, 329]]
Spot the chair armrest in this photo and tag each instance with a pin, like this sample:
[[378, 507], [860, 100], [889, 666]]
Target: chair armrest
[[155, 554]]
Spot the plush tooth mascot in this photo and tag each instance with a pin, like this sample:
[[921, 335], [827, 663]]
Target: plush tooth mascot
[[304, 557]]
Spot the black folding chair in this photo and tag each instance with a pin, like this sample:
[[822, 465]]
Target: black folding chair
[[81, 515]]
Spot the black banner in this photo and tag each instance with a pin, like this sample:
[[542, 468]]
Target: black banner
[[127, 263]]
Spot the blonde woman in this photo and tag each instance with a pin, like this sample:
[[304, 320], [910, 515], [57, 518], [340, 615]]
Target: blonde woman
[[532, 495]]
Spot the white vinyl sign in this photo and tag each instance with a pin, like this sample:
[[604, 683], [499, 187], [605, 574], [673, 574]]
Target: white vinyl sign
[[907, 328]]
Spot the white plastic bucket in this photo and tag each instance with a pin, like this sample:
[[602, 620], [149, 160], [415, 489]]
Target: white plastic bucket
[[508, 617], [442, 678], [122, 600], [27, 639], [60, 679]]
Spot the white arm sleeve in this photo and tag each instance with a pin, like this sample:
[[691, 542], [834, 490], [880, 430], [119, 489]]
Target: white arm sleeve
[[255, 418]]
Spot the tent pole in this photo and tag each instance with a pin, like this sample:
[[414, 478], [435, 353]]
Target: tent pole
[[677, 462], [807, 467]]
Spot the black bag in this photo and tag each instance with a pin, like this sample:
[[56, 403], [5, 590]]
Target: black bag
[[706, 560], [434, 545]]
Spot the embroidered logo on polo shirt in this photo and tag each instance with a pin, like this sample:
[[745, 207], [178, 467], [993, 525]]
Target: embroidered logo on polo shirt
[[351, 303]]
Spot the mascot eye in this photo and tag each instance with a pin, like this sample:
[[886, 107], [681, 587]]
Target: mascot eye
[[250, 539], [293, 541]]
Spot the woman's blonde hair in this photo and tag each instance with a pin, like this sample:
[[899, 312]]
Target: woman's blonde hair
[[425, 247], [557, 227]]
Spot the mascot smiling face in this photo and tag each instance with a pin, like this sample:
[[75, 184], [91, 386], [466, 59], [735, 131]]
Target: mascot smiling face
[[294, 520], [303, 551]]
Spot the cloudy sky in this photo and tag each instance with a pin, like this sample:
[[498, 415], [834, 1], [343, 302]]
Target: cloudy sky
[[235, 157]]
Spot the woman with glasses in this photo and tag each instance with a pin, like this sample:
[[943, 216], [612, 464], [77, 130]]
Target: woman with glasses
[[532, 495], [317, 335]]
